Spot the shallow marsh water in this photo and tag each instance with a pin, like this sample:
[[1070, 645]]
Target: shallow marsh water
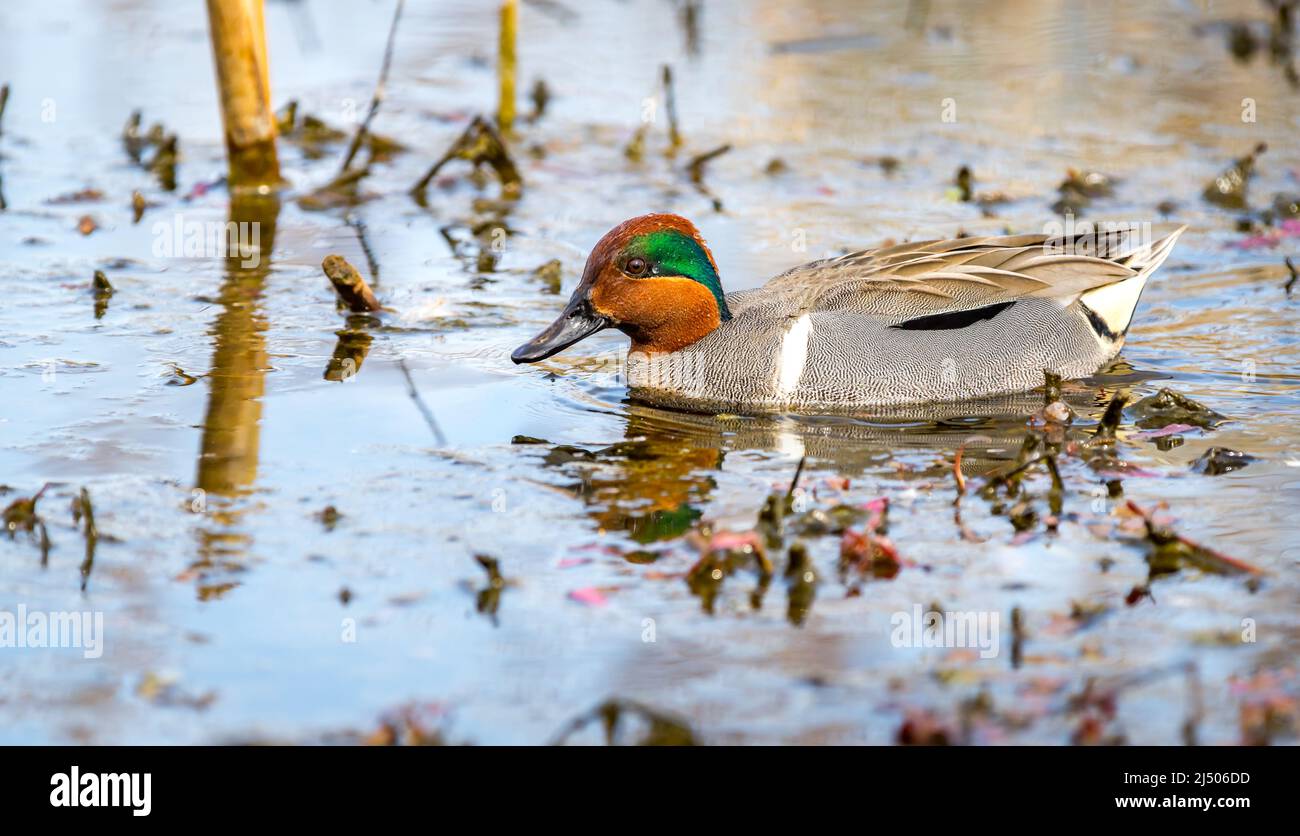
[[233, 611]]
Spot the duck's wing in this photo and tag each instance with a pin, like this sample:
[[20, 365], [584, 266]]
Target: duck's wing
[[930, 278]]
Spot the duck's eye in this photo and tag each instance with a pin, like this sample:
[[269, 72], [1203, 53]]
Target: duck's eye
[[635, 267]]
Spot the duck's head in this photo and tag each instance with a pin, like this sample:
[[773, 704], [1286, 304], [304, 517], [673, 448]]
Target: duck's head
[[651, 277]]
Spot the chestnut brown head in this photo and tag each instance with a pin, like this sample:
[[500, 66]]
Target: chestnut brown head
[[651, 277]]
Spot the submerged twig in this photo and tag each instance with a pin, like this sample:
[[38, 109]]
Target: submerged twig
[[359, 227], [696, 169], [1291, 281], [794, 483], [419, 402], [378, 96], [960, 478], [697, 163]]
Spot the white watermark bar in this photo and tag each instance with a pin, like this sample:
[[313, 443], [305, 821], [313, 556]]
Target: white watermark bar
[[54, 629], [975, 630], [179, 238]]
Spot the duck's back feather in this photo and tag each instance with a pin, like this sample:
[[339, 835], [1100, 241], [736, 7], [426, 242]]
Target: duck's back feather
[[920, 322], [942, 276]]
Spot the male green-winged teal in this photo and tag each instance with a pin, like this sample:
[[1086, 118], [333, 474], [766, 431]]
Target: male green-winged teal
[[915, 323]]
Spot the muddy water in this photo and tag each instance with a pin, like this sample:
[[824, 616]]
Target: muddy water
[[205, 414]]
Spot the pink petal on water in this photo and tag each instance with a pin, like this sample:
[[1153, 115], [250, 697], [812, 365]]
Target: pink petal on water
[[589, 595], [1129, 473], [1171, 429]]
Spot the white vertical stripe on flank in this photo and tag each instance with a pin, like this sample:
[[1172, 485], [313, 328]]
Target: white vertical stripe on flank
[[794, 356]]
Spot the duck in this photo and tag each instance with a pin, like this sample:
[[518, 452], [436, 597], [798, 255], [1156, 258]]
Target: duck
[[922, 322]]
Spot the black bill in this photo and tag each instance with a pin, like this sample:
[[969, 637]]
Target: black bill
[[577, 322]]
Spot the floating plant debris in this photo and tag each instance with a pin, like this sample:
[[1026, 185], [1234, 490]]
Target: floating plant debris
[[488, 599], [1170, 551], [344, 190], [550, 274], [20, 514], [1219, 460], [1228, 188], [1168, 407], [1078, 190], [85, 511], [721, 554], [480, 145], [964, 181], [103, 290], [353, 291], [138, 205], [801, 584], [649, 727], [540, 94], [329, 517]]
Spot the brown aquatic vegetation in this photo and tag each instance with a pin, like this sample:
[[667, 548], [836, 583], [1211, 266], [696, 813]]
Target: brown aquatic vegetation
[[479, 145], [1168, 407], [82, 509], [1228, 188], [103, 290], [354, 293], [657, 728], [20, 515], [1170, 551]]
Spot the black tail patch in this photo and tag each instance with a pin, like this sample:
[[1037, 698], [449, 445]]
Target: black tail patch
[[955, 319], [1099, 325]]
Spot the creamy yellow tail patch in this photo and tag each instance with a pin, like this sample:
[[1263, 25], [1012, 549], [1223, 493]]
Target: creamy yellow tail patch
[[1114, 304]]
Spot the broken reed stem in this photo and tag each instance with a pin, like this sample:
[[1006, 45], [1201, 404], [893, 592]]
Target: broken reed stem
[[507, 65], [670, 105], [479, 144], [697, 163], [794, 483], [421, 405], [4, 100], [349, 285], [378, 96], [1110, 420], [92, 537], [238, 35]]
